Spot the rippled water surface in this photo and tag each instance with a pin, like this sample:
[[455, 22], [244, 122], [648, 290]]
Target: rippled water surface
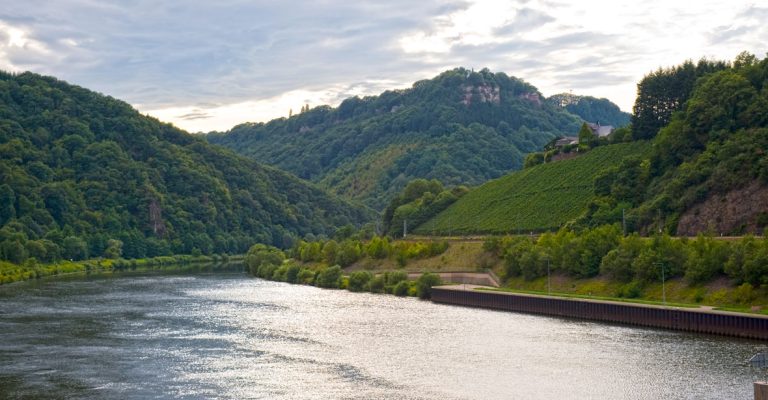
[[234, 337]]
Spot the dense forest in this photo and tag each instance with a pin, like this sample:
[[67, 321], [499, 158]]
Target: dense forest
[[85, 175], [592, 109], [461, 128], [708, 169], [540, 198]]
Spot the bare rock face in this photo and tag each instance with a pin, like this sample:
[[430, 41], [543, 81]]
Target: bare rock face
[[481, 93], [737, 212], [156, 218], [532, 97]]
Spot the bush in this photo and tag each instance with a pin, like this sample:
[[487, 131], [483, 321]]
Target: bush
[[376, 284], [305, 276], [260, 254], [401, 289], [329, 277], [424, 285], [292, 273], [358, 281], [631, 290]]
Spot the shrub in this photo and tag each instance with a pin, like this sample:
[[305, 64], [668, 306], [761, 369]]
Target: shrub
[[329, 277], [424, 285], [401, 289], [358, 281], [305, 276], [292, 273], [376, 285]]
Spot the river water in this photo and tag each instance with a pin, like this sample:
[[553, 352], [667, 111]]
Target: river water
[[229, 336]]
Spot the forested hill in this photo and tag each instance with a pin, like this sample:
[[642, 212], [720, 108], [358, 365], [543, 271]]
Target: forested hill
[[592, 109], [81, 172], [462, 127], [709, 168]]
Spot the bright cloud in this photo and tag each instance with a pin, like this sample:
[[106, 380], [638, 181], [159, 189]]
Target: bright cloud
[[210, 65]]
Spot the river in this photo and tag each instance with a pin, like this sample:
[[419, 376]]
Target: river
[[228, 336]]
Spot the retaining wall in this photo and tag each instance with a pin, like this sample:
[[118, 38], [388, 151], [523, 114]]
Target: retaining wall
[[693, 320]]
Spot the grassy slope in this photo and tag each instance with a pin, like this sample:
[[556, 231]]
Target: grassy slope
[[539, 198], [468, 255], [459, 257]]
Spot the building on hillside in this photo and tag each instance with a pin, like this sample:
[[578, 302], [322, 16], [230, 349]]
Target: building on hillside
[[600, 130], [565, 141]]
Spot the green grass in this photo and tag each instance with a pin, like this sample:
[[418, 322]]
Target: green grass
[[602, 298], [539, 198], [10, 273]]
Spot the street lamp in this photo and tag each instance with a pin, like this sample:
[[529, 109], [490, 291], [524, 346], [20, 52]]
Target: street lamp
[[663, 288], [549, 281]]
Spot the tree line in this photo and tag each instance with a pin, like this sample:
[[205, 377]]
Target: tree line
[[271, 263]]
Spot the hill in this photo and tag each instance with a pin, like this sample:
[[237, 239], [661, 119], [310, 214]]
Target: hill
[[708, 171], [461, 128], [592, 109], [543, 197], [84, 175]]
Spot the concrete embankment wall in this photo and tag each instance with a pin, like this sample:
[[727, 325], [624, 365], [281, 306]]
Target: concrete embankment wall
[[472, 278], [693, 320]]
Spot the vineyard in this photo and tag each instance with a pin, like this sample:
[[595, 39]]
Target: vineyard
[[537, 199]]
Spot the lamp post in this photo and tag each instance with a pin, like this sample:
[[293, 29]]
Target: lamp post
[[549, 280], [663, 288]]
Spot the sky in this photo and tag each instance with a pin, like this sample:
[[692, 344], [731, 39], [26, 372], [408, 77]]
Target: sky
[[209, 65]]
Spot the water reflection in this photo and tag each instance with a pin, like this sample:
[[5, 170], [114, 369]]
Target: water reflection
[[229, 336]]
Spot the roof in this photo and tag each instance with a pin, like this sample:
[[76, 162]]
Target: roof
[[600, 130]]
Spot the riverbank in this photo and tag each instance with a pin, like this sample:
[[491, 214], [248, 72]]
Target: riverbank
[[470, 255], [698, 320], [10, 273]]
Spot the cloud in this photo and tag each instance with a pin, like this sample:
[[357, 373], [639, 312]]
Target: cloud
[[209, 65]]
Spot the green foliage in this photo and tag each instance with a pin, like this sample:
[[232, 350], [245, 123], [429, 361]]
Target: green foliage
[[329, 277], [544, 197], [748, 261], [706, 259], [259, 256], [633, 258], [424, 285], [533, 159], [114, 249], [401, 289], [352, 250], [32, 268], [358, 281], [453, 128], [420, 201], [587, 138], [714, 144], [80, 169], [665, 91], [591, 109]]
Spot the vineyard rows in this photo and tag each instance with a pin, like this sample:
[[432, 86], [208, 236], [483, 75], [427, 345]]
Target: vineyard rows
[[539, 198]]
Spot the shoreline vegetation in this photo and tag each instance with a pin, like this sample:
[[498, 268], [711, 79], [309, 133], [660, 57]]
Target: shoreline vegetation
[[11, 273], [597, 263]]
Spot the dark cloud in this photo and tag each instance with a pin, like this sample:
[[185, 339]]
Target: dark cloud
[[194, 115], [526, 19], [207, 54], [724, 34]]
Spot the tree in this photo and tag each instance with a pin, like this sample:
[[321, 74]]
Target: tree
[[358, 281], [114, 249], [260, 254], [7, 201], [329, 277], [424, 285], [587, 138], [75, 248], [662, 92]]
